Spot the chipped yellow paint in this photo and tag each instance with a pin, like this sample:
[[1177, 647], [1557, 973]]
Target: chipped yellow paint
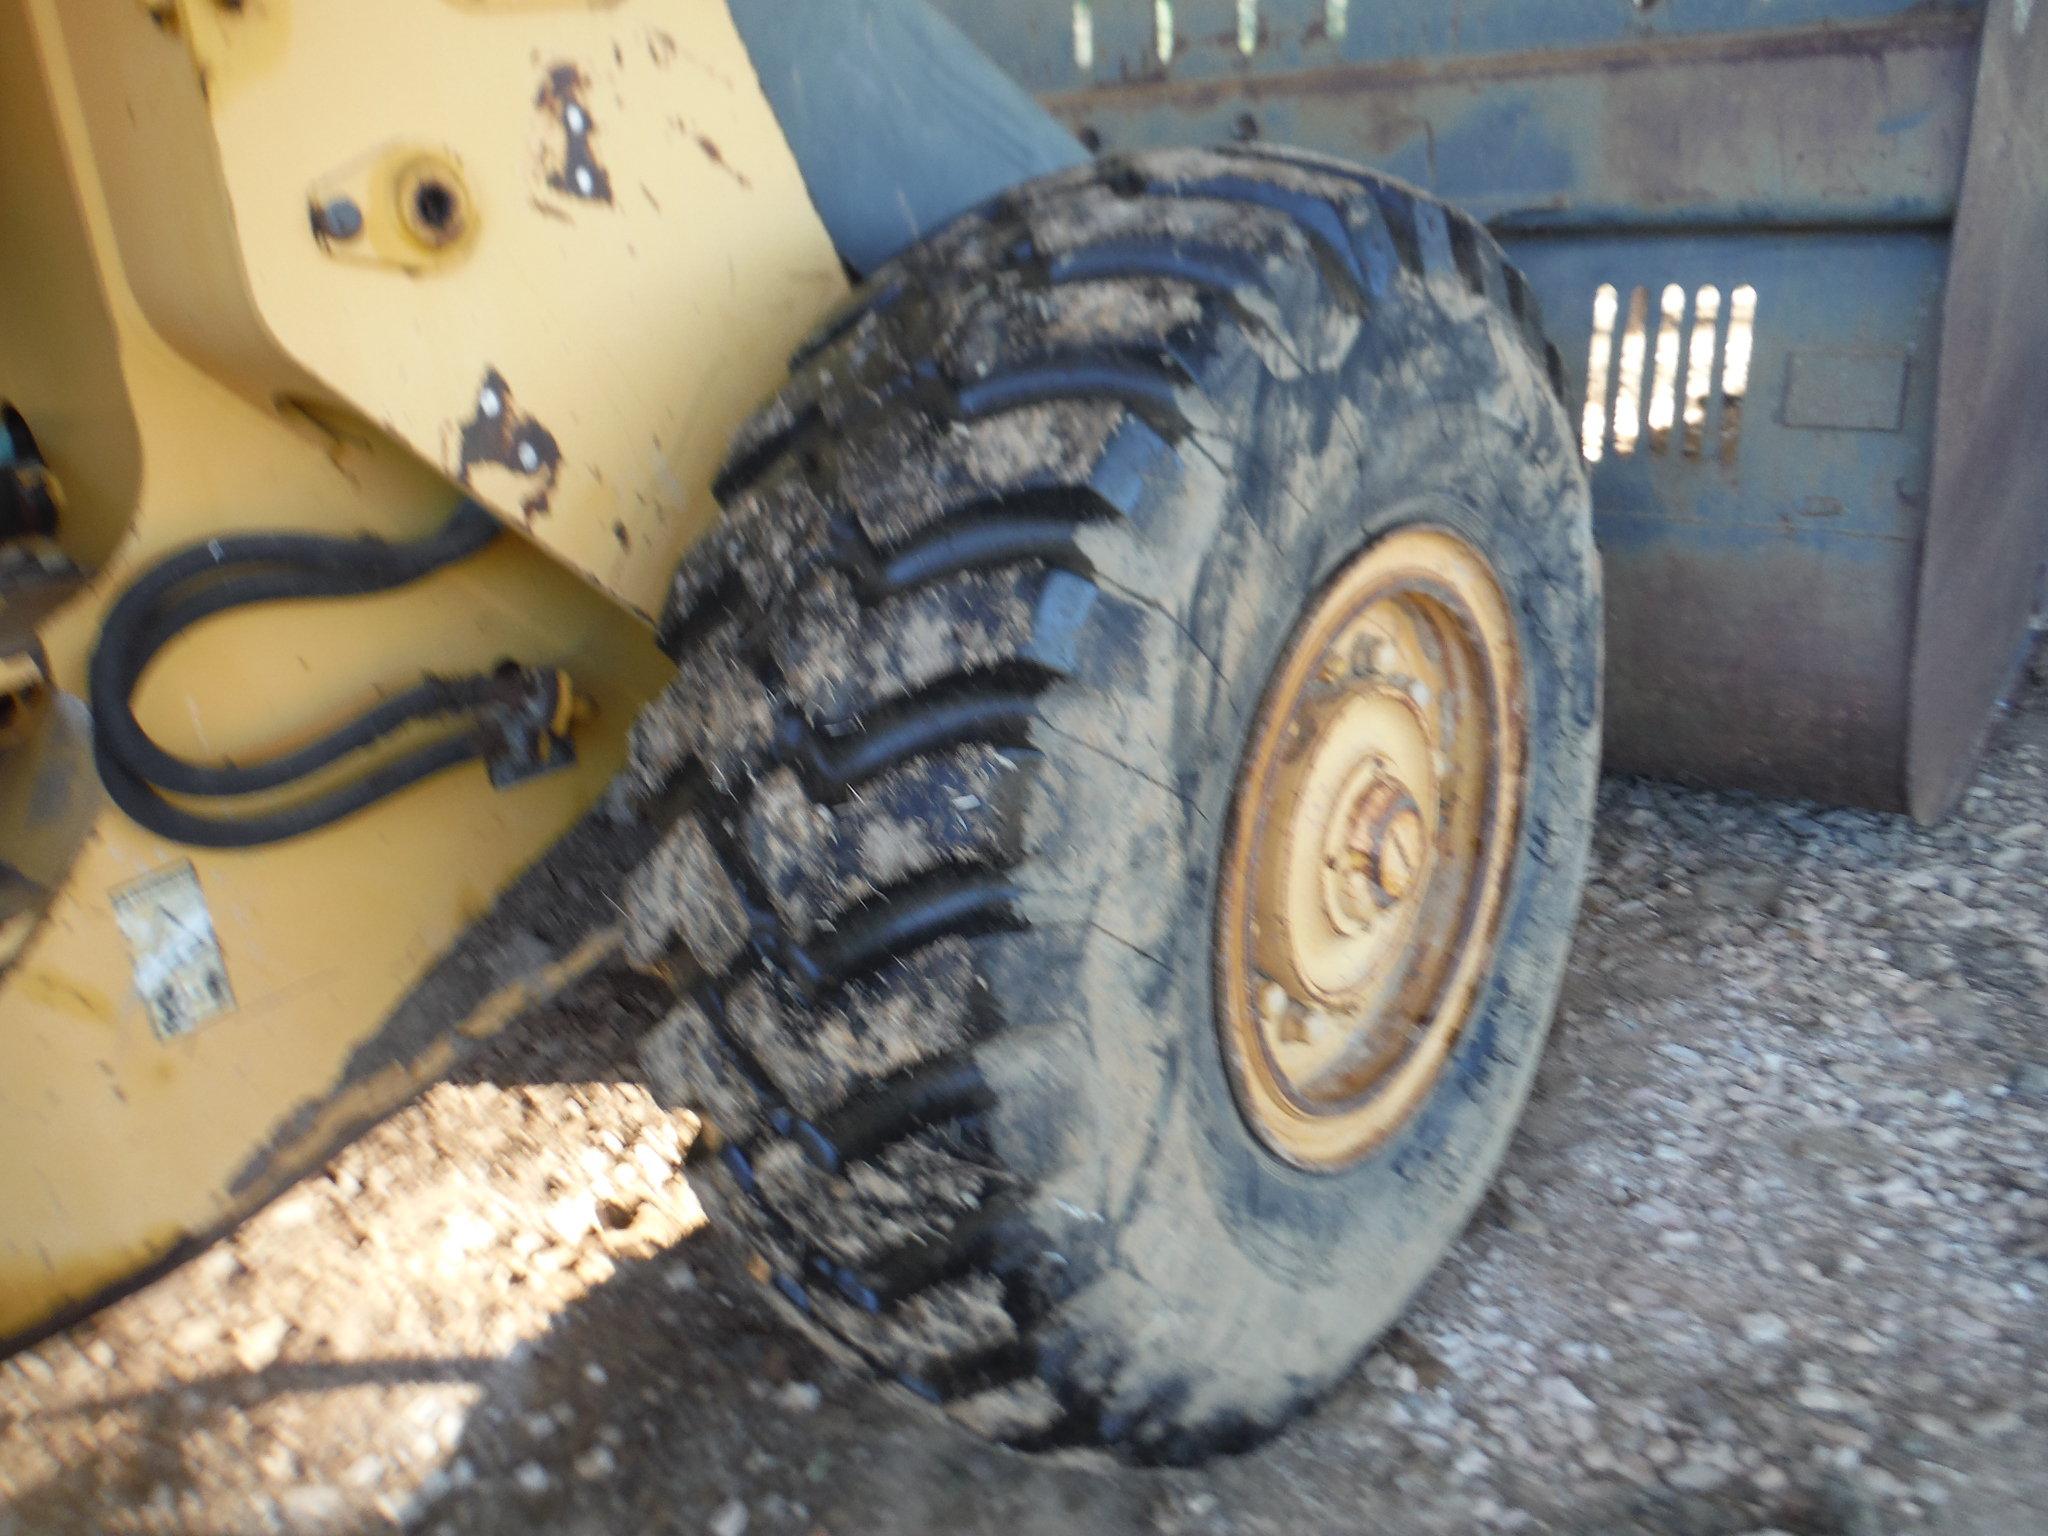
[[636, 255], [195, 362]]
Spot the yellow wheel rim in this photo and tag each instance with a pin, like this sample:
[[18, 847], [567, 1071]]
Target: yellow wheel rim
[[1368, 852]]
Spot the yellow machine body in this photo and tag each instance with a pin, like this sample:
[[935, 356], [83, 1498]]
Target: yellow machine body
[[580, 252]]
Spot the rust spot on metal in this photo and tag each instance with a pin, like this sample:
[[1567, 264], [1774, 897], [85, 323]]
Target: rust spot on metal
[[619, 532], [501, 436], [1360, 83], [661, 47], [569, 160], [714, 154]]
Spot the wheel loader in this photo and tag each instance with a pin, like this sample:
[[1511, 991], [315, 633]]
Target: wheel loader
[[1061, 640]]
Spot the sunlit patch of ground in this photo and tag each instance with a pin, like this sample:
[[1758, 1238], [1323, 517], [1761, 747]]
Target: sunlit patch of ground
[[320, 1366]]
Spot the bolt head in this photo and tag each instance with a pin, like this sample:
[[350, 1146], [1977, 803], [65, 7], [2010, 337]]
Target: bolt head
[[338, 219], [1272, 1003], [1368, 656]]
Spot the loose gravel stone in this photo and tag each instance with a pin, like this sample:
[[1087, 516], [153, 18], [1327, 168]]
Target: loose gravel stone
[[799, 1397], [532, 1478]]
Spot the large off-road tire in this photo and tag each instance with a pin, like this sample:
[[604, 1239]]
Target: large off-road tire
[[945, 778]]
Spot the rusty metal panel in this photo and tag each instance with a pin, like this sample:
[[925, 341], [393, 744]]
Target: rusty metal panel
[[1759, 567], [1822, 125], [1766, 659], [1851, 389], [1988, 532], [1784, 572], [1036, 40]]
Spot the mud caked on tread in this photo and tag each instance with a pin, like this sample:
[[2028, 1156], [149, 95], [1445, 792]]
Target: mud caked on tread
[[940, 787]]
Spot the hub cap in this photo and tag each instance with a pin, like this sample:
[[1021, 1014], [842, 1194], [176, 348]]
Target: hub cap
[[1369, 847]]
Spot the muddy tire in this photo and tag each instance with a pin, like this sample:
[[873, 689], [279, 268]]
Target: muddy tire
[[964, 682]]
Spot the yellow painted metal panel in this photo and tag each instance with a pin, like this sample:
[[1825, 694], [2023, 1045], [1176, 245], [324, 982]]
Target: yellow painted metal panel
[[266, 382], [631, 253]]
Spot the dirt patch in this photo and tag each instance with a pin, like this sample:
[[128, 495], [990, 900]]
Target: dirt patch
[[1769, 1255]]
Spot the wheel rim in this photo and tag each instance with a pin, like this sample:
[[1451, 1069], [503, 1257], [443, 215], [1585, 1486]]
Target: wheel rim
[[1369, 847]]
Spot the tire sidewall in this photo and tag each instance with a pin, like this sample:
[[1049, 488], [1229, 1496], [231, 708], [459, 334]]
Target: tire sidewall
[[1239, 1280]]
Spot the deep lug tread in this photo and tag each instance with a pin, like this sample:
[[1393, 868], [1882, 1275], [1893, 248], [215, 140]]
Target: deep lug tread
[[900, 477], [1316, 213], [919, 1009], [773, 538], [895, 621], [690, 1067], [978, 542], [988, 709], [1398, 205], [840, 657], [917, 1100], [683, 894], [717, 714], [907, 917], [872, 298], [1148, 383], [762, 444], [964, 1247], [871, 1218], [816, 861], [1215, 269]]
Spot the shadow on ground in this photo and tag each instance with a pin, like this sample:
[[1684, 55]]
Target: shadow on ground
[[1769, 1257]]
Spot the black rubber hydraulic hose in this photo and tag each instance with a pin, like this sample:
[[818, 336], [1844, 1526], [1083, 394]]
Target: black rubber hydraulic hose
[[225, 573], [432, 696], [172, 821]]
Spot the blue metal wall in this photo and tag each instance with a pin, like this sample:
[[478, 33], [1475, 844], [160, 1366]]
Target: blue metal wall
[[1034, 39], [1761, 604]]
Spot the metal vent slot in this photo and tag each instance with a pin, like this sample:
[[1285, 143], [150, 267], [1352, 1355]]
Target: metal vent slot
[[1655, 392], [1699, 369], [1735, 368], [1628, 398], [1599, 374], [1662, 411]]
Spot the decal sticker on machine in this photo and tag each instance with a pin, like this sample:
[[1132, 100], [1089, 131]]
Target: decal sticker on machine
[[180, 973]]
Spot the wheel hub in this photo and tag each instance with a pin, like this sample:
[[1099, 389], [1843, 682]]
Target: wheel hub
[[1379, 845], [1369, 847]]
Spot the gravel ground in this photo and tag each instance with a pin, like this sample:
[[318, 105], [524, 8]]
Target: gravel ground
[[1770, 1256]]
